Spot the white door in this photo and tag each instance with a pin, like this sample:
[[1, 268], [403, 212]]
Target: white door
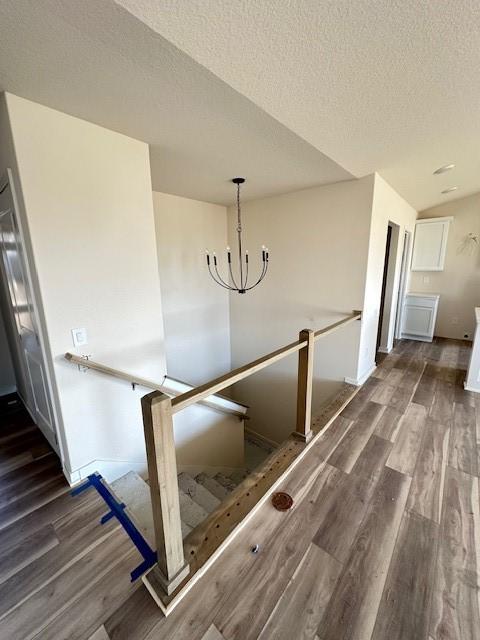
[[19, 297]]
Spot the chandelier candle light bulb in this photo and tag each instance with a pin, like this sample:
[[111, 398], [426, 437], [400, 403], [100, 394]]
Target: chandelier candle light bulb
[[243, 259]]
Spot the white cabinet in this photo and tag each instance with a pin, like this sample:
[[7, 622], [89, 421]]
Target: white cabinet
[[419, 316], [430, 244]]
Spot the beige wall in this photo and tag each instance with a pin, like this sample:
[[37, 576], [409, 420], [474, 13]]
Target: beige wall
[[318, 240], [195, 309], [387, 207], [459, 283], [86, 197]]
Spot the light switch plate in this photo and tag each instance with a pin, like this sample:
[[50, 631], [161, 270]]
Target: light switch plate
[[79, 337]]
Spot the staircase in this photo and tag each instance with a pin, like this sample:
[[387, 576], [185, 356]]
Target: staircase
[[198, 495]]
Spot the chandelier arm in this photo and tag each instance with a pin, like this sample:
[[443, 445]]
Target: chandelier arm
[[226, 284], [235, 288], [244, 285], [262, 275], [220, 282]]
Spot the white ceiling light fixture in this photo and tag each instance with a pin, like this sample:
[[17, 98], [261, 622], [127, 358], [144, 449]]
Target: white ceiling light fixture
[[443, 169], [449, 190]]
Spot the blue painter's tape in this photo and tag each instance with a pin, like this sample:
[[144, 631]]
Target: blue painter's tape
[[117, 510]]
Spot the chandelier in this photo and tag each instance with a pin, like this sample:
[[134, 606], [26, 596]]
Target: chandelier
[[240, 285]]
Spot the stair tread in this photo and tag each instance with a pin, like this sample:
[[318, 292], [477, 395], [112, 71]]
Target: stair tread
[[239, 475], [199, 494], [191, 512], [225, 481], [134, 492], [212, 485]]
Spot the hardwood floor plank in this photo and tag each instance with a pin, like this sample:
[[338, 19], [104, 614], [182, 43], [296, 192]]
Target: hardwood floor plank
[[342, 507], [404, 612], [194, 614], [15, 462], [332, 437], [455, 608], [15, 493], [352, 609], [27, 620], [383, 393], [371, 461], [137, 616], [28, 472], [15, 434], [407, 445], [44, 569], [394, 377], [47, 492], [107, 590], [328, 569], [213, 634], [100, 634], [40, 517], [442, 405], [463, 440], [353, 409], [425, 390], [28, 550], [426, 492], [401, 399], [246, 611], [389, 424], [349, 449], [302, 605]]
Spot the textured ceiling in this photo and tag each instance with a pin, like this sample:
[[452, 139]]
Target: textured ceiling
[[94, 60], [389, 85]]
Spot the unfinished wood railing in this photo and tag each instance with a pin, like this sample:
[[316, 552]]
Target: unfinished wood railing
[[158, 411], [166, 386]]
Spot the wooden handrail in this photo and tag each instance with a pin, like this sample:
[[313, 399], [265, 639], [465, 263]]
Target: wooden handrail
[[158, 412], [222, 382], [148, 384]]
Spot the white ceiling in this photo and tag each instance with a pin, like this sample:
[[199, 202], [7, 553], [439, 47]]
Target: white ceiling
[[389, 85], [94, 60], [290, 93]]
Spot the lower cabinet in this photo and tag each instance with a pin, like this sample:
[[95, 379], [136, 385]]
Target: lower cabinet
[[419, 316]]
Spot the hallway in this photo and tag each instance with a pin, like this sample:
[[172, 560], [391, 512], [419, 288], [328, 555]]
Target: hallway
[[383, 542]]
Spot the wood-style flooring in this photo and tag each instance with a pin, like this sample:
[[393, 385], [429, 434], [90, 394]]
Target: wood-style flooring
[[383, 542]]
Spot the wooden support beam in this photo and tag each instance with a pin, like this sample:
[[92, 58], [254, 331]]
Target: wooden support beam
[[162, 472], [304, 385]]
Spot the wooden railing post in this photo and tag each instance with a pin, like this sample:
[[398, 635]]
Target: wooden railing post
[[162, 473], [304, 385]]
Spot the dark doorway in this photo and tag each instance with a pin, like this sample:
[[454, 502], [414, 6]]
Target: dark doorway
[[384, 285]]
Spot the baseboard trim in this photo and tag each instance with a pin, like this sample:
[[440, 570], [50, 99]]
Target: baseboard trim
[[385, 349], [261, 440], [409, 336], [362, 379], [109, 469]]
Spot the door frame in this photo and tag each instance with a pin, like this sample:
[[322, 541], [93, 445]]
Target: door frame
[[6, 181], [402, 286]]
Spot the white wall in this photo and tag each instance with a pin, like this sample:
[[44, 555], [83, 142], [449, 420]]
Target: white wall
[[387, 207], [459, 283], [7, 374], [195, 309], [318, 240], [87, 200]]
